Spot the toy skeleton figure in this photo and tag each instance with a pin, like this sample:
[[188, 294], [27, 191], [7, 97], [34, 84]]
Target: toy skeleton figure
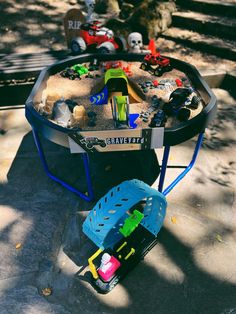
[[135, 42], [91, 16], [105, 262]]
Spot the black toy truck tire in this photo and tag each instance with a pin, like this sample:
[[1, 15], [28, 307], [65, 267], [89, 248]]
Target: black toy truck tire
[[158, 72], [143, 66], [169, 67], [78, 45], [184, 114], [167, 108], [103, 50], [106, 47], [195, 102], [121, 42]]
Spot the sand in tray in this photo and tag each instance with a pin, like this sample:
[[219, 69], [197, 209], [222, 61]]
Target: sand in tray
[[81, 90]]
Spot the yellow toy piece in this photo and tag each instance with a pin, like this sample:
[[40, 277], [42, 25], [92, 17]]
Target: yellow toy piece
[[132, 251], [91, 264], [121, 247]]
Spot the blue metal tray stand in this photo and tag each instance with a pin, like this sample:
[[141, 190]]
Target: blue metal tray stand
[[90, 196], [183, 173], [87, 197]]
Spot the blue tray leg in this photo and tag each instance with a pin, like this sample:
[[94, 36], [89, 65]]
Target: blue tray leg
[[163, 168], [183, 173], [85, 197]]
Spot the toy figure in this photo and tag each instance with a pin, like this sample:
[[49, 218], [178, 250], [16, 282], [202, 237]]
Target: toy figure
[[91, 16], [105, 262], [80, 115]]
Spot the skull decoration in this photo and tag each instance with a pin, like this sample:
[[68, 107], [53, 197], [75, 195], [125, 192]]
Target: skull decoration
[[90, 4], [135, 42]]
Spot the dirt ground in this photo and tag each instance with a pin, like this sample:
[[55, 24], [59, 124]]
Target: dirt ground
[[34, 26], [190, 271]]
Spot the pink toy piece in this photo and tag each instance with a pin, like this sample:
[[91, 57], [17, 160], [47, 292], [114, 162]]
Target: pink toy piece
[[108, 267]]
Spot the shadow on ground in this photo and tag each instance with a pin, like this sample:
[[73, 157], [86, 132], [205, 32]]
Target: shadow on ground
[[40, 209], [183, 288], [35, 210], [32, 25]]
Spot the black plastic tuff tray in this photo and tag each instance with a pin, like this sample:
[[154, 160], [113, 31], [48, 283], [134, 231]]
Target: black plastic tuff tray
[[172, 136]]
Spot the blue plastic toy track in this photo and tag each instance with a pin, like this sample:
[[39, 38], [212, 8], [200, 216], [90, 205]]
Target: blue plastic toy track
[[108, 215]]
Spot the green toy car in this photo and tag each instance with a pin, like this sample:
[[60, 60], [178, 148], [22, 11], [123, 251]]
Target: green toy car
[[80, 69]]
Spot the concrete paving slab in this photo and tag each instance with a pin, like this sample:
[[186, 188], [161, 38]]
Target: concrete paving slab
[[191, 270], [25, 299]]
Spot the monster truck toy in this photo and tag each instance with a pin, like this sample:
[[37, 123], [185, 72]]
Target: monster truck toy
[[158, 120], [156, 64], [93, 36], [179, 98]]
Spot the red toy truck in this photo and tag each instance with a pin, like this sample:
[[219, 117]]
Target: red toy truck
[[156, 64], [94, 36]]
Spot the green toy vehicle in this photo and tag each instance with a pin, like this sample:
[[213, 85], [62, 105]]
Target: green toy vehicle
[[80, 69], [76, 71], [120, 110], [131, 223]]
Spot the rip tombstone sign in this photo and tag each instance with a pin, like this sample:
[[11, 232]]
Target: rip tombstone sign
[[72, 21]]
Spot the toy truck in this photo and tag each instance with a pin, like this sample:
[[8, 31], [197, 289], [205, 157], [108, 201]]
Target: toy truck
[[93, 36], [131, 223], [158, 120], [176, 105], [80, 69], [74, 72], [120, 110], [156, 64]]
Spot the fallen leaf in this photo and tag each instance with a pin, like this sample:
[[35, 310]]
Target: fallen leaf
[[18, 246], [219, 238], [173, 219], [46, 291]]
